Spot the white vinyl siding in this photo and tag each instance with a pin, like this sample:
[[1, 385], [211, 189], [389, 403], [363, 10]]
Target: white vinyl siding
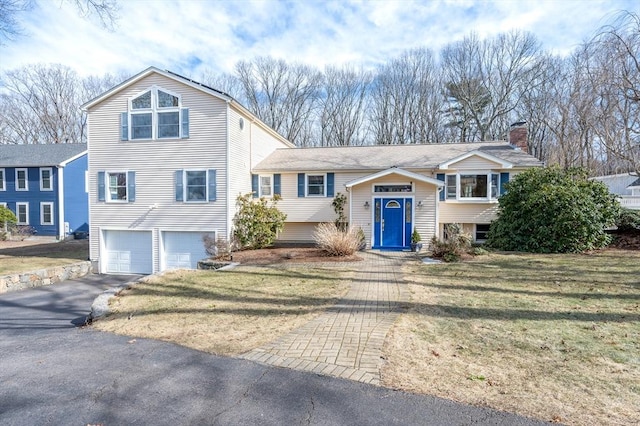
[[475, 162], [155, 163], [468, 212]]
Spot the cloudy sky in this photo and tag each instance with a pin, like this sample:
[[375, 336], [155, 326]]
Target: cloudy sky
[[193, 36]]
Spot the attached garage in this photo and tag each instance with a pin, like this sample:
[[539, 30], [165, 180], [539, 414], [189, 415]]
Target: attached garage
[[128, 252], [182, 249]]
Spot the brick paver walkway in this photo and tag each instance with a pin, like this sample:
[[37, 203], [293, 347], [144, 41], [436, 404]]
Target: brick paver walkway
[[346, 341]]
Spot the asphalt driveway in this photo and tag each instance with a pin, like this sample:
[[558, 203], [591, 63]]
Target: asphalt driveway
[[54, 372]]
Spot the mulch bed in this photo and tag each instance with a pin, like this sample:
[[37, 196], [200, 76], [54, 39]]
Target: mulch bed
[[290, 255], [627, 241]]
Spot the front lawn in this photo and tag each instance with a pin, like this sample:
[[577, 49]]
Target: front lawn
[[556, 337], [26, 256], [226, 312]]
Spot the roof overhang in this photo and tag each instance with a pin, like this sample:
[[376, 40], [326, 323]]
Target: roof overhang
[[503, 164], [145, 73], [184, 80], [395, 171], [75, 157]]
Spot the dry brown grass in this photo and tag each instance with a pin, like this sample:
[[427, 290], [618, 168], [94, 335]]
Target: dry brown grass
[[31, 255], [336, 242], [556, 337], [226, 312]]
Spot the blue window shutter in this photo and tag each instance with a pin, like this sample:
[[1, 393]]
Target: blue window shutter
[[330, 184], [276, 184], [185, 123], [131, 186], [300, 184], [101, 189], [440, 176], [504, 178], [212, 185], [254, 185], [124, 126], [179, 186]]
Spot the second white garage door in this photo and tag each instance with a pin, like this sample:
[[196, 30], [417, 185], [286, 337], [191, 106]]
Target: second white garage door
[[183, 249], [128, 252]]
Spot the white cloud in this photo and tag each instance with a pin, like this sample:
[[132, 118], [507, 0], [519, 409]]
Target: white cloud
[[191, 36]]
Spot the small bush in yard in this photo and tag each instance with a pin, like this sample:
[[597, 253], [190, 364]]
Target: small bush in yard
[[219, 249], [629, 220], [7, 218], [336, 242], [453, 247], [257, 222]]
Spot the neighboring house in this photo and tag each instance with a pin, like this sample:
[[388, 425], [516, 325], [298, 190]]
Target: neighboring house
[[168, 157], [44, 185], [626, 186]]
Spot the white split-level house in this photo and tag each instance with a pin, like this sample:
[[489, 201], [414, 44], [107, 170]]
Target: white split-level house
[[169, 156]]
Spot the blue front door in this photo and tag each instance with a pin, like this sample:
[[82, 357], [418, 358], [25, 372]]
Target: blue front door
[[392, 223]]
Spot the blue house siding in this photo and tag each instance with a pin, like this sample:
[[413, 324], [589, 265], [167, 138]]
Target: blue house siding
[[76, 198], [34, 196]]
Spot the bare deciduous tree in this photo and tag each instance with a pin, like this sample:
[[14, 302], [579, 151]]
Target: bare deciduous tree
[[342, 106], [283, 96], [406, 100], [490, 76], [10, 10]]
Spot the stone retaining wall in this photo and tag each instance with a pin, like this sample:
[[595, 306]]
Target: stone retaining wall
[[14, 282]]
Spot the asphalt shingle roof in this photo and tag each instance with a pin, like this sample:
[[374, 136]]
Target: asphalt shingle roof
[[381, 157], [35, 155]]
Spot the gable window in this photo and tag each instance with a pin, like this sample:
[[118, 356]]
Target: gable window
[[22, 213], [155, 114], [46, 183], [266, 188], [46, 213], [3, 186], [482, 229], [315, 186], [195, 186], [480, 186], [22, 180]]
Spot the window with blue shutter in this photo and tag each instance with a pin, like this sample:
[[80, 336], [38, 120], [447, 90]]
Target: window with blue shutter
[[441, 176], [301, 182], [196, 186], [179, 185], [212, 184], [276, 184], [330, 184], [101, 186], [124, 126], [255, 190], [504, 179], [185, 122], [131, 186]]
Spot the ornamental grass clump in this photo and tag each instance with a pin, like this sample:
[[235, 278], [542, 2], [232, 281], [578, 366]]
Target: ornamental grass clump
[[336, 242]]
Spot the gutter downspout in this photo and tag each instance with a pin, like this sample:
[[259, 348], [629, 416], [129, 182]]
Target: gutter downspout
[[227, 178], [60, 226]]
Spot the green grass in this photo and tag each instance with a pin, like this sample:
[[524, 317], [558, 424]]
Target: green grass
[[552, 336]]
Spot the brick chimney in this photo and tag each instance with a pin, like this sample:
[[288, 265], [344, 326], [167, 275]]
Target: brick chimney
[[518, 135]]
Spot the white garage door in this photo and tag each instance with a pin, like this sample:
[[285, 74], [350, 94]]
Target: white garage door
[[128, 252], [183, 249]]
